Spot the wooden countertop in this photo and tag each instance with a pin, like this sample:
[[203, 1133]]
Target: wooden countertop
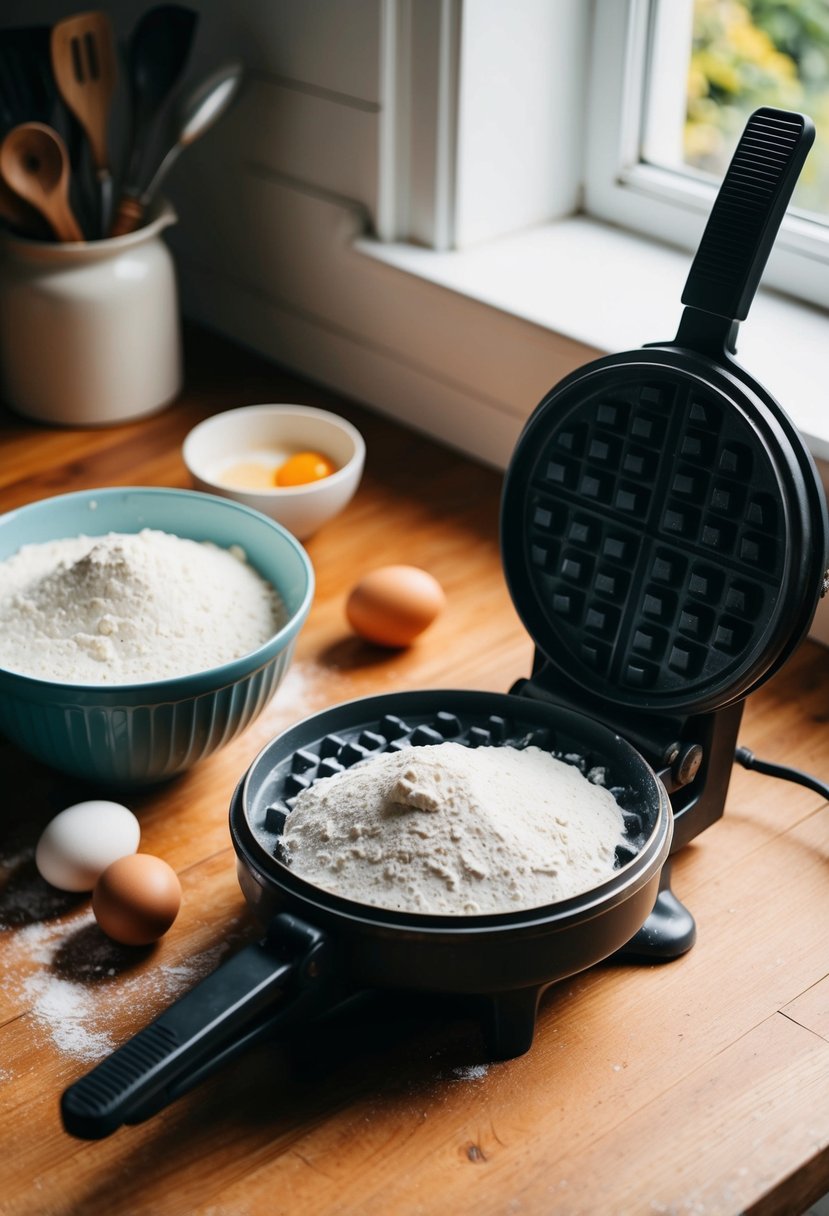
[[697, 1086]]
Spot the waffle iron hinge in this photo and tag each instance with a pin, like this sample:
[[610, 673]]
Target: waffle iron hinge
[[693, 756]]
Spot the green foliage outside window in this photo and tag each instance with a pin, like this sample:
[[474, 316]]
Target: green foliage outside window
[[750, 53]]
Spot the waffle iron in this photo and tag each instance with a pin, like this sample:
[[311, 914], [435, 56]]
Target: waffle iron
[[664, 539]]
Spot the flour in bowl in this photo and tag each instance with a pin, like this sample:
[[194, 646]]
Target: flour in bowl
[[447, 829], [127, 608]]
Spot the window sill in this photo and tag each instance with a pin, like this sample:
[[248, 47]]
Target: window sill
[[613, 291]]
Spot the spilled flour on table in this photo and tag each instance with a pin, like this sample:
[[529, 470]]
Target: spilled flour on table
[[70, 992], [469, 1072]]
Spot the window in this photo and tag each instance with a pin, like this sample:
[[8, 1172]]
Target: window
[[744, 54], [673, 82]]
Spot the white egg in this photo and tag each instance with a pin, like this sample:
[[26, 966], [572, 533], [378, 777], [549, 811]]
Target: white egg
[[80, 842]]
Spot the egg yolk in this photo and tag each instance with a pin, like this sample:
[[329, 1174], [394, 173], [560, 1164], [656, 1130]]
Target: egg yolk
[[304, 467]]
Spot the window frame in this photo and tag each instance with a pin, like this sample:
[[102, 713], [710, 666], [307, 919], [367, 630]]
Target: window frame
[[465, 155], [662, 203]]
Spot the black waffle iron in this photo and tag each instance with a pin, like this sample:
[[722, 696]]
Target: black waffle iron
[[664, 538]]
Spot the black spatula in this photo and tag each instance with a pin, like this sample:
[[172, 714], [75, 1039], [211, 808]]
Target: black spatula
[[157, 54]]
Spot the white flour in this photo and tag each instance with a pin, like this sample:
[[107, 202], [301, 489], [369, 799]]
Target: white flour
[[454, 830], [79, 1010], [127, 608]]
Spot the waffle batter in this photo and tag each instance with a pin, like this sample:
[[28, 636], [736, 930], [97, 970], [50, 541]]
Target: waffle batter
[[452, 830]]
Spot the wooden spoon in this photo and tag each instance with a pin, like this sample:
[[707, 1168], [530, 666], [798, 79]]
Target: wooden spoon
[[35, 164], [20, 217]]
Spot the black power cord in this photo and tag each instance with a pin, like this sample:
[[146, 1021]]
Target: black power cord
[[747, 759]]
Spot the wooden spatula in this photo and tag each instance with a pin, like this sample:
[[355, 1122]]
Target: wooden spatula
[[85, 65]]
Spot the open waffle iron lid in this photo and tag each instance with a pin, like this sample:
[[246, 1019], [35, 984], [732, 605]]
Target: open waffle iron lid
[[663, 525]]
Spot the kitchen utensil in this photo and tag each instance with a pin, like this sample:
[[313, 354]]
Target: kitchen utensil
[[29, 93], [659, 505], [131, 735], [35, 165], [320, 947], [195, 114], [84, 65], [20, 216], [157, 54]]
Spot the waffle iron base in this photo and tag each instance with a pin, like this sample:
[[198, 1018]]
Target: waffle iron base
[[505, 960]]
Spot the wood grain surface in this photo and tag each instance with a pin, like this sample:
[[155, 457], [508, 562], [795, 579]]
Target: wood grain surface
[[700, 1086]]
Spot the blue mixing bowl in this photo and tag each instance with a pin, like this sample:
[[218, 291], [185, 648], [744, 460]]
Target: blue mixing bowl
[[137, 734]]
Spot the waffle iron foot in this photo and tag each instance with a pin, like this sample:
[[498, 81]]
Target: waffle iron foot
[[508, 1022], [669, 931]]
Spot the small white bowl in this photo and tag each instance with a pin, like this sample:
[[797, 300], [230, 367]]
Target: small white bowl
[[271, 433]]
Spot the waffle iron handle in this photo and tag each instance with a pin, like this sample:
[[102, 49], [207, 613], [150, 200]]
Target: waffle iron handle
[[742, 227], [262, 988]]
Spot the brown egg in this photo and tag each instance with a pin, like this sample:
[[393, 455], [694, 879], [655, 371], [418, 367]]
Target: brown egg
[[392, 605], [136, 899]]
